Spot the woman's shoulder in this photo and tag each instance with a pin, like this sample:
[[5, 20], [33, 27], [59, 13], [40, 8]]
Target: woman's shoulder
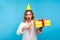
[[22, 22]]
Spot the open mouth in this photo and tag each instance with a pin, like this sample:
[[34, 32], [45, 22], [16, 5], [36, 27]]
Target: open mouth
[[28, 18]]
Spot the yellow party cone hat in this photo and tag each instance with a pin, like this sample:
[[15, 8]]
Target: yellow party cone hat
[[28, 7]]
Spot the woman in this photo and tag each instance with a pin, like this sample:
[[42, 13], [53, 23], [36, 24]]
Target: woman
[[26, 27]]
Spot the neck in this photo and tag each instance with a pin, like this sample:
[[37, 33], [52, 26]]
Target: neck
[[28, 20]]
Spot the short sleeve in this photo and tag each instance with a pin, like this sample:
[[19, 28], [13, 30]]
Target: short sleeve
[[19, 31]]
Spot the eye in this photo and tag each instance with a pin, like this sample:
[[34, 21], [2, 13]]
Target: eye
[[30, 14], [26, 14]]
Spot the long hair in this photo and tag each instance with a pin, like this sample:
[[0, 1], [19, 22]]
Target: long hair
[[25, 15]]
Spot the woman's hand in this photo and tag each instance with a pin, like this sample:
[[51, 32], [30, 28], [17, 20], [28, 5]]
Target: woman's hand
[[23, 28], [28, 26], [39, 32]]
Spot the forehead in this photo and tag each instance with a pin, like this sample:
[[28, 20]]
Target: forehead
[[28, 12]]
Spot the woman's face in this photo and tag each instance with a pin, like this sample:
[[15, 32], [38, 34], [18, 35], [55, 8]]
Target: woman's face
[[28, 15]]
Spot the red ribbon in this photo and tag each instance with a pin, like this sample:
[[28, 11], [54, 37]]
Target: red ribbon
[[42, 22]]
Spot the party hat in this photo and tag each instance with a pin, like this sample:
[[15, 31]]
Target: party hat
[[28, 7]]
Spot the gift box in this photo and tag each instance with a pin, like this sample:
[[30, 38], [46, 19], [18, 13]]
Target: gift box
[[41, 23], [46, 22], [37, 24]]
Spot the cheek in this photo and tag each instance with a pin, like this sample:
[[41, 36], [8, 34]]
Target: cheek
[[25, 16], [30, 15]]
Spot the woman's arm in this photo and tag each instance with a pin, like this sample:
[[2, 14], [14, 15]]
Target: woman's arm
[[20, 29]]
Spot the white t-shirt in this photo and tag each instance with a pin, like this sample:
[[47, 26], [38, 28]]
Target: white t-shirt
[[27, 34]]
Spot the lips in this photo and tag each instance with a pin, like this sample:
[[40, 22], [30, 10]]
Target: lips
[[28, 18]]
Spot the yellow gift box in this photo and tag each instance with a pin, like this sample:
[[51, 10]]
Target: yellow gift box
[[37, 24], [41, 23], [47, 23]]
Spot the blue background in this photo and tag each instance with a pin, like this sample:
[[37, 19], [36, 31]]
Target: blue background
[[12, 11]]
